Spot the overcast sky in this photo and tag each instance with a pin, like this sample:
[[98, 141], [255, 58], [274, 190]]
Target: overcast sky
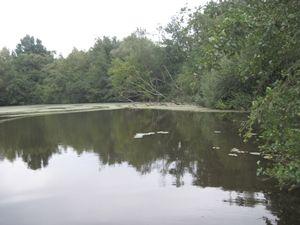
[[63, 24]]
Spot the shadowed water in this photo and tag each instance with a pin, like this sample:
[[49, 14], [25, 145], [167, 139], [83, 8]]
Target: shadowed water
[[87, 169]]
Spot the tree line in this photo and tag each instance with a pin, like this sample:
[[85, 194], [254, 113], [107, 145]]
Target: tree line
[[233, 54]]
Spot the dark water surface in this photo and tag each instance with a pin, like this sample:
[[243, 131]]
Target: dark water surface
[[87, 169]]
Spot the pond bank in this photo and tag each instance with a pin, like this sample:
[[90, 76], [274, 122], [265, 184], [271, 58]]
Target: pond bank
[[9, 112]]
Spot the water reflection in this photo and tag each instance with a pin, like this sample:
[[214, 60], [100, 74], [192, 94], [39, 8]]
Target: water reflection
[[186, 149], [104, 141]]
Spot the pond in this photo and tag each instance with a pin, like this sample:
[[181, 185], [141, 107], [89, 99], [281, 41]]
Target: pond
[[87, 168]]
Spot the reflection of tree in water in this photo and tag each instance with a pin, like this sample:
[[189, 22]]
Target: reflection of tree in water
[[187, 149], [286, 206], [2, 157], [249, 199]]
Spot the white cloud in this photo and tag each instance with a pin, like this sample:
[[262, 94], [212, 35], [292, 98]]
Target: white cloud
[[63, 24]]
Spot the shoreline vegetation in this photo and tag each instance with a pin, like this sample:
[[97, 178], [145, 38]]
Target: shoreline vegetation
[[227, 55], [10, 112]]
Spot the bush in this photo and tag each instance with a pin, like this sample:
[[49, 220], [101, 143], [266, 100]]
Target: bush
[[278, 117]]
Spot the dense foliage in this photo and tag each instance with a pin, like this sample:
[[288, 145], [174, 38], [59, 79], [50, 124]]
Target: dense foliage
[[234, 54]]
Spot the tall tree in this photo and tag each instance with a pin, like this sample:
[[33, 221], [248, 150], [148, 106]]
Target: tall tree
[[6, 71], [137, 69], [30, 58], [29, 44]]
